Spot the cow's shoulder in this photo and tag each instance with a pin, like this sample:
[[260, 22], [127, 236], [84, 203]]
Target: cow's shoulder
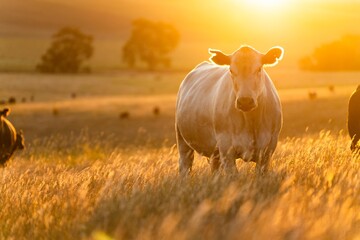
[[354, 105], [7, 127], [356, 94], [204, 72], [209, 66], [354, 101], [204, 64]]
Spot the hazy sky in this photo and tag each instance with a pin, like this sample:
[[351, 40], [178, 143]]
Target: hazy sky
[[298, 25]]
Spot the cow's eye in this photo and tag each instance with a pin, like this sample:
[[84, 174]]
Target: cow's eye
[[232, 73], [258, 70]]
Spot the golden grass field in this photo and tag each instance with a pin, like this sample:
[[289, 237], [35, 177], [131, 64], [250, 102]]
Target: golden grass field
[[87, 174]]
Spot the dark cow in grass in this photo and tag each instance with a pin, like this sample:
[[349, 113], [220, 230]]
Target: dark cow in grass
[[10, 140], [354, 120]]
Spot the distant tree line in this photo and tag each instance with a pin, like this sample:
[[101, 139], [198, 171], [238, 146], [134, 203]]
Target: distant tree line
[[340, 55], [150, 43], [69, 50]]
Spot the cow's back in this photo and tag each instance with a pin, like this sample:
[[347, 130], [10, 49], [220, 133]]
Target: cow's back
[[195, 106]]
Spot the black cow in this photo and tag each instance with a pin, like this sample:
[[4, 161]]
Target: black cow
[[10, 140], [354, 119]]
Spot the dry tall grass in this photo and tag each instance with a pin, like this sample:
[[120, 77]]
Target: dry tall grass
[[86, 174], [91, 191]]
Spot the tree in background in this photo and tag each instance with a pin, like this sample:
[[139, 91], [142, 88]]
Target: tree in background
[[151, 43], [341, 55], [69, 50]]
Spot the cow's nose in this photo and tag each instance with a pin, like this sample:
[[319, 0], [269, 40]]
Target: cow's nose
[[245, 103]]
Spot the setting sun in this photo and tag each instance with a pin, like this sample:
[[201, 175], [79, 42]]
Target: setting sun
[[266, 4]]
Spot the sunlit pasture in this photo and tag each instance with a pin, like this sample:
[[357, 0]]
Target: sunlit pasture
[[101, 160], [89, 173]]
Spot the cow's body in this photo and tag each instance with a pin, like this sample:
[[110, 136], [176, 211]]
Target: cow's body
[[208, 121], [10, 140], [354, 119]]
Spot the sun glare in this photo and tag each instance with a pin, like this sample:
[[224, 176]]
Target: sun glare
[[267, 4]]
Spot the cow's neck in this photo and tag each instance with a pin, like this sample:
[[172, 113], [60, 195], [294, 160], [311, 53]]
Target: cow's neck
[[255, 118], [255, 121]]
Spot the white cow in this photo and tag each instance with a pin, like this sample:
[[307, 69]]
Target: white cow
[[229, 111]]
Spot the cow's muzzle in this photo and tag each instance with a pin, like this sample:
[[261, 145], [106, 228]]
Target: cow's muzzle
[[245, 104]]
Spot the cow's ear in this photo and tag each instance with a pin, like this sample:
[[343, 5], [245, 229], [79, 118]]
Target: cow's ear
[[273, 56], [219, 57]]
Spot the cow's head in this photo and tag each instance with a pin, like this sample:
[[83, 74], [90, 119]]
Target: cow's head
[[247, 74]]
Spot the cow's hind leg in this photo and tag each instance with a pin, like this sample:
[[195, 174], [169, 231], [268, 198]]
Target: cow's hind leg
[[215, 161], [186, 153], [262, 163], [264, 158]]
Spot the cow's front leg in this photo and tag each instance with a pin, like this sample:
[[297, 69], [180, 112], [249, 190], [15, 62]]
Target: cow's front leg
[[227, 159], [264, 157]]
